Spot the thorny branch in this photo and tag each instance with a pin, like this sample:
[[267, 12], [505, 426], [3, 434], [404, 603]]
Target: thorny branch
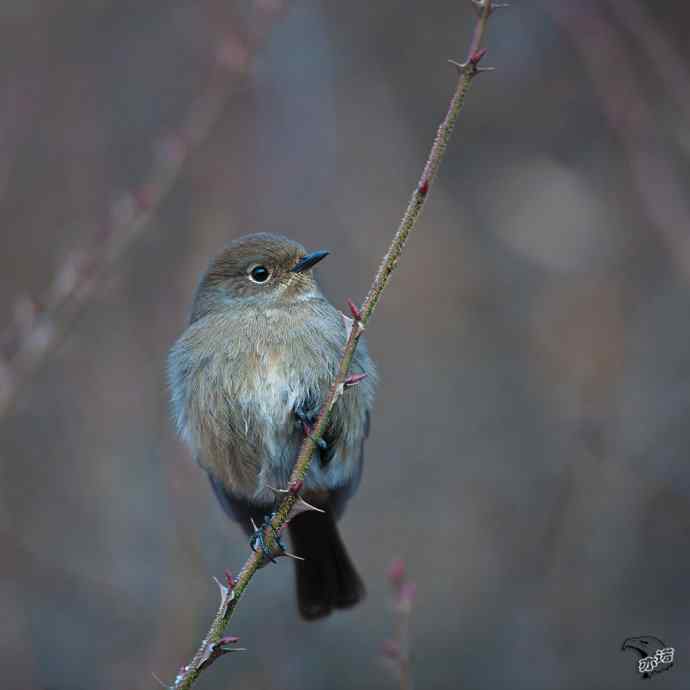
[[40, 325], [662, 196], [360, 317], [398, 650]]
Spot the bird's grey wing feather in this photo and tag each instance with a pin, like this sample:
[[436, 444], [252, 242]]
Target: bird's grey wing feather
[[238, 509], [340, 496]]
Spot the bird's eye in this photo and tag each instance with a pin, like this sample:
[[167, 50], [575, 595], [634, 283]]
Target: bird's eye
[[259, 274]]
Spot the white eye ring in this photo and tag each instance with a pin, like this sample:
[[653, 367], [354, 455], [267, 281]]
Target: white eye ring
[[258, 274]]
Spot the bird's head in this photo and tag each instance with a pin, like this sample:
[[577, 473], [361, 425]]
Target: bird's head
[[261, 270]]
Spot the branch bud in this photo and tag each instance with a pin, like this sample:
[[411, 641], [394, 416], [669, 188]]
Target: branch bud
[[354, 310], [477, 56], [295, 487]]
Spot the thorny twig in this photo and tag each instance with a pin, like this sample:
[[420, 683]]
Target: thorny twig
[[360, 316], [40, 325], [660, 191], [398, 649], [658, 50]]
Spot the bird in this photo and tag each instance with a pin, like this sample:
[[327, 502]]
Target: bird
[[247, 380]]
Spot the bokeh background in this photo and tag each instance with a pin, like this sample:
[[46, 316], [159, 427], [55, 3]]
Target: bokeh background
[[529, 449]]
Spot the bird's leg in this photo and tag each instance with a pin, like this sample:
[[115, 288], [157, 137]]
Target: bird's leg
[[307, 414], [259, 539]]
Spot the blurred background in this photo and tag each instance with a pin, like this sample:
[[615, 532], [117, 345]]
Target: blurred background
[[529, 451]]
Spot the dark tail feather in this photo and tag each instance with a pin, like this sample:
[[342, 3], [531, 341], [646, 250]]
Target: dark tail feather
[[326, 578]]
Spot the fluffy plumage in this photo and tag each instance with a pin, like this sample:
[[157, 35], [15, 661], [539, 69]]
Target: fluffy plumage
[[252, 356]]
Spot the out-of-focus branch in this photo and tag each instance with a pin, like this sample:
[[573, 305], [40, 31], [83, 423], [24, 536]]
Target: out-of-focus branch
[[671, 69], [40, 325], [213, 644], [662, 195], [398, 649]]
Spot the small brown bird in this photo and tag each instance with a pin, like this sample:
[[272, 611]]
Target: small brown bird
[[249, 376]]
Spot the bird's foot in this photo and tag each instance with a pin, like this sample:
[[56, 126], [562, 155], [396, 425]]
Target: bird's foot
[[307, 418], [258, 539]]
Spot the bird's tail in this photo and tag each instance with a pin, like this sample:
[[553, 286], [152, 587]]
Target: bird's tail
[[326, 578]]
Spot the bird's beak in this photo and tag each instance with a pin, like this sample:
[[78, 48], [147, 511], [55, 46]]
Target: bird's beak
[[306, 262]]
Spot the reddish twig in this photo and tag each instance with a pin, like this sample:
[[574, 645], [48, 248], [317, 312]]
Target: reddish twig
[[661, 193], [41, 324], [361, 315], [398, 649], [670, 66]]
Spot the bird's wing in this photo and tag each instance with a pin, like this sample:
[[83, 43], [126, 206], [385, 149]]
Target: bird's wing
[[237, 509]]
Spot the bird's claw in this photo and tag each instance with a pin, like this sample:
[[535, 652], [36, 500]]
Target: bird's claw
[[307, 420], [303, 417], [322, 445], [258, 539]]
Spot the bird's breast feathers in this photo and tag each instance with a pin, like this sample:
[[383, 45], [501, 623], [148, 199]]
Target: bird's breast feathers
[[241, 389]]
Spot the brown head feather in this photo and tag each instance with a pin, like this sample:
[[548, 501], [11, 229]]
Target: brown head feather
[[229, 274]]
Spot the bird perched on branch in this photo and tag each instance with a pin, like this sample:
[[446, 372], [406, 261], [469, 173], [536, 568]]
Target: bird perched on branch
[[248, 378]]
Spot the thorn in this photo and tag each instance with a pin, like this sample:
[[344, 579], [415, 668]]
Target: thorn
[[224, 591], [160, 682], [301, 506], [479, 6], [292, 555], [230, 580], [354, 379], [470, 68], [424, 186], [295, 487], [309, 506], [279, 491], [354, 310], [254, 527], [216, 649]]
